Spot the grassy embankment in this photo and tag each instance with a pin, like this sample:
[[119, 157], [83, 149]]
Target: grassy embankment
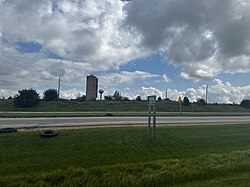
[[131, 108], [181, 156]]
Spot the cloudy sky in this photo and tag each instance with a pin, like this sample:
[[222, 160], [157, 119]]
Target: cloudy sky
[[137, 47]]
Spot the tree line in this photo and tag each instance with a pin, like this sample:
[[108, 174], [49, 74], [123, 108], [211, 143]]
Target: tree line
[[30, 98]]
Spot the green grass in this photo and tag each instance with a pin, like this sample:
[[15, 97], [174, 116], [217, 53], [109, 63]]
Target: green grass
[[102, 114], [207, 170], [236, 178], [195, 155], [100, 108]]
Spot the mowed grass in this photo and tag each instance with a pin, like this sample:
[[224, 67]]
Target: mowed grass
[[119, 114], [197, 155], [67, 108], [119, 106]]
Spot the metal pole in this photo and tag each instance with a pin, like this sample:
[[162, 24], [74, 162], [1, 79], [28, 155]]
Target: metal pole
[[154, 121], [59, 85], [206, 93], [180, 108], [149, 121]]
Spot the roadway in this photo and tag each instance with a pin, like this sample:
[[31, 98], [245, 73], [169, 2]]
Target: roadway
[[105, 121]]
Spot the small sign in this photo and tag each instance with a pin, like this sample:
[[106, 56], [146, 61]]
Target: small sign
[[151, 100], [179, 99]]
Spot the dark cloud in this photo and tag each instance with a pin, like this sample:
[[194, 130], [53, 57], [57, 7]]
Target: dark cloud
[[194, 32], [56, 69]]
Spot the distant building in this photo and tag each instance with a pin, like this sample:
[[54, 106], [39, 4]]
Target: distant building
[[91, 87]]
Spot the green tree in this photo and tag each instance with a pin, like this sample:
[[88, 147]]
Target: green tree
[[245, 103], [117, 96], [108, 98], [83, 98], [201, 102], [26, 98], [138, 98], [125, 99], [159, 99], [50, 95], [186, 101]]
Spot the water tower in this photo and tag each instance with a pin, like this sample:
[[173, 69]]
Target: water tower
[[101, 92]]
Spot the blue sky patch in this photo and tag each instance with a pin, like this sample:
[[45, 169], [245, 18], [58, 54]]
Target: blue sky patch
[[28, 47]]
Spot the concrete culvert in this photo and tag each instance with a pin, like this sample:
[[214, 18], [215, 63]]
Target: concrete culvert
[[8, 130], [48, 133]]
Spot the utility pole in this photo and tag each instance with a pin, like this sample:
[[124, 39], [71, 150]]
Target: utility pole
[[206, 93], [166, 94], [58, 90]]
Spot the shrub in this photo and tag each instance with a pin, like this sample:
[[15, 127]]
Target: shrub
[[138, 98], [108, 98], [50, 95], [245, 103], [117, 96], [26, 98], [201, 101], [186, 101], [125, 99]]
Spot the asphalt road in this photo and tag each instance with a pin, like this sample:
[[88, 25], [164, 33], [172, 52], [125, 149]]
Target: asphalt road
[[95, 121]]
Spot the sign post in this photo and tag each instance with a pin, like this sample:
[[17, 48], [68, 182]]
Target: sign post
[[180, 102], [151, 109]]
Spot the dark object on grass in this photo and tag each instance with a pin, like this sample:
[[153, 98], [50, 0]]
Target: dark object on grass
[[109, 114], [48, 133], [8, 130]]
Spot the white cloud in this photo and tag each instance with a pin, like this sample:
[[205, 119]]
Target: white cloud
[[218, 92], [151, 91], [125, 78], [71, 94], [7, 93], [82, 31], [71, 29], [205, 38], [224, 92], [76, 38], [165, 78]]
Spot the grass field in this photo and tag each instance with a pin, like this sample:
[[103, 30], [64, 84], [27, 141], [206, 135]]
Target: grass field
[[181, 156], [102, 114], [131, 108]]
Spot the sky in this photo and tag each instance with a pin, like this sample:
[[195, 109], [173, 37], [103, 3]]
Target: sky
[[137, 47]]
